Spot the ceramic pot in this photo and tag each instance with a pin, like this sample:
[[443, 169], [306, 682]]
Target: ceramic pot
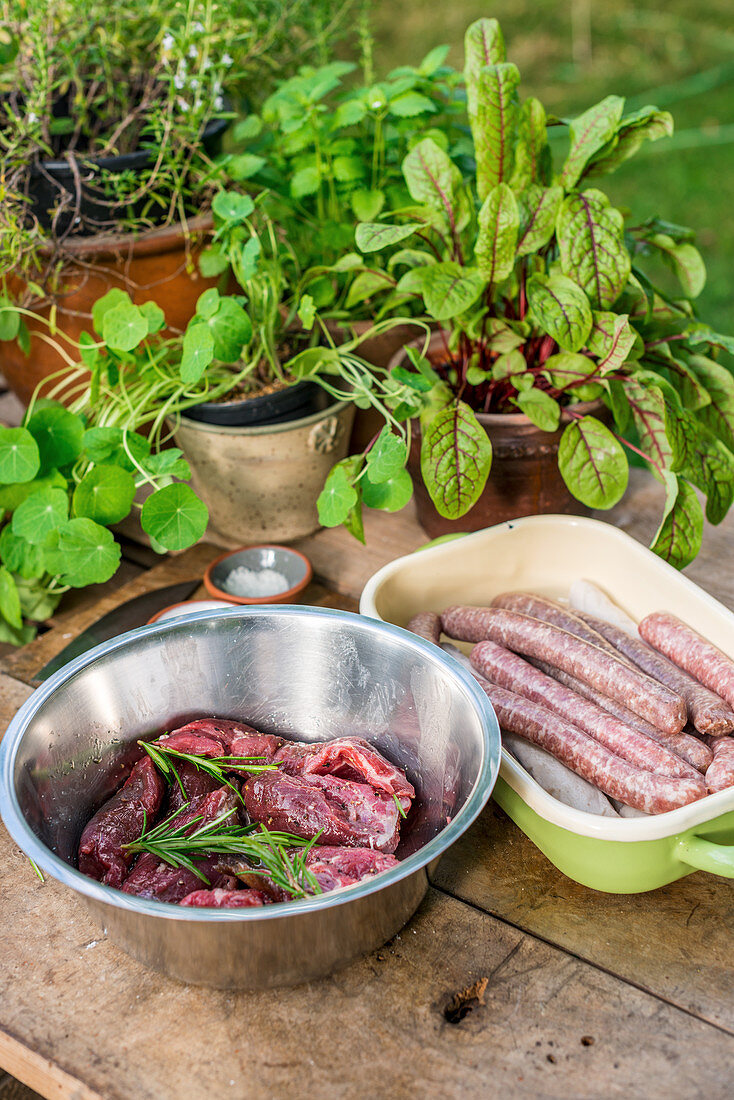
[[261, 483], [154, 266], [290, 403], [524, 479]]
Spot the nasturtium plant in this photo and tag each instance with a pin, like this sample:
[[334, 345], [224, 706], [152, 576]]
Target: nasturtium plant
[[548, 298]]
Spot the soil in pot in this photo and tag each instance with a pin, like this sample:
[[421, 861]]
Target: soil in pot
[[524, 479]]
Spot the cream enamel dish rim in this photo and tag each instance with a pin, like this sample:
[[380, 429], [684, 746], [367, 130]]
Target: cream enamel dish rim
[[578, 821]]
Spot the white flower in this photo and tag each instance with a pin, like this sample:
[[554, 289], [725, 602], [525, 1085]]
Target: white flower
[[32, 118], [194, 83], [183, 103], [218, 103], [227, 60], [199, 28], [193, 52], [179, 81], [168, 41]]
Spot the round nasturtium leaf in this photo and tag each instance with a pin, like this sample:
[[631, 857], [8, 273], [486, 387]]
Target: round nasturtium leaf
[[124, 326], [390, 495], [592, 463], [105, 494], [19, 457], [59, 435], [197, 353], [174, 516], [19, 556], [40, 514], [338, 496], [387, 457], [86, 553]]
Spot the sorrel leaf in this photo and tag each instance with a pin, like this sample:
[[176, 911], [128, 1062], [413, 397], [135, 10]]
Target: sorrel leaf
[[493, 125], [592, 463], [678, 539], [611, 339], [449, 289], [532, 152], [483, 45], [561, 307], [495, 245], [456, 456], [538, 209], [590, 236], [372, 236], [588, 133]]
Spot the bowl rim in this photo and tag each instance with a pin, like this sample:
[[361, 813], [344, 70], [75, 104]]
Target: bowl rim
[[67, 875], [277, 597]]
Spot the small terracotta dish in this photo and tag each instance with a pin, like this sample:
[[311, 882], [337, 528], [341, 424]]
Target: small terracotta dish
[[293, 565], [188, 607]]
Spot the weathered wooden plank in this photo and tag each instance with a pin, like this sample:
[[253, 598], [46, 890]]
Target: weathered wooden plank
[[675, 942]]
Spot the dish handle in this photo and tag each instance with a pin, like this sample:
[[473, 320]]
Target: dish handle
[[704, 855]]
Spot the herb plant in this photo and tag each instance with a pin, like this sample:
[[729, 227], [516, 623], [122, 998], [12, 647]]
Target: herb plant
[[547, 296]]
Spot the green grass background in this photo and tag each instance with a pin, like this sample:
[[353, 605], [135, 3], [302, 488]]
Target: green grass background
[[679, 55]]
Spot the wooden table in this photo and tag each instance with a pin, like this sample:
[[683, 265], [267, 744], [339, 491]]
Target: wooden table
[[511, 979]]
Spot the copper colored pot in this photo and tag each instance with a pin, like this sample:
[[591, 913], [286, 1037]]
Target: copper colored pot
[[155, 266], [524, 479]]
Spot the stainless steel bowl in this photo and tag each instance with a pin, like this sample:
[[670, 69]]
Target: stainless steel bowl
[[308, 673]]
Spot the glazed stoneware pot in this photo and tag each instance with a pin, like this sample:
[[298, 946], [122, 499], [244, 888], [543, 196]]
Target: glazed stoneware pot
[[261, 483], [524, 479], [159, 266]]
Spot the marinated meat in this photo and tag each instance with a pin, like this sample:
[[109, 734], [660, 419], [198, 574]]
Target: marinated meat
[[225, 899], [235, 738], [347, 758], [339, 810], [119, 822], [332, 867], [196, 784]]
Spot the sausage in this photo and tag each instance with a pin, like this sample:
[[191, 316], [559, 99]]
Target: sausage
[[687, 649], [534, 638], [720, 773], [539, 607], [654, 794], [509, 671], [689, 748], [708, 712], [426, 624]]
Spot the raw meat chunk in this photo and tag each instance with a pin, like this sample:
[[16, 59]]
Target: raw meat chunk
[[347, 758], [225, 899], [236, 738]]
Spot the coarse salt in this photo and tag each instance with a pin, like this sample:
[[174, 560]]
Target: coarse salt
[[255, 582]]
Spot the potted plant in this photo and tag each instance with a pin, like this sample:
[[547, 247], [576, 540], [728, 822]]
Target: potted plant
[[110, 122], [561, 347]]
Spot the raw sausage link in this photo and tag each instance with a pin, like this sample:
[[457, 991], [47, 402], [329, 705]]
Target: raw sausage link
[[426, 624], [689, 748], [539, 607], [708, 712], [534, 638], [720, 773], [654, 794], [690, 651], [507, 670]]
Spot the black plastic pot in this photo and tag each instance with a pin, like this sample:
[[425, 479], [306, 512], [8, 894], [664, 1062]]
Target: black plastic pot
[[51, 181], [291, 403]]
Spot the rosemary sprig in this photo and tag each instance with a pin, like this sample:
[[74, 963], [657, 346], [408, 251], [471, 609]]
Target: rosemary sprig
[[267, 850], [401, 811], [216, 766]]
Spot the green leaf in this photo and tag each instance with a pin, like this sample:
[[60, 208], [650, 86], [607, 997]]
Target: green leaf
[[456, 456], [588, 133], [568, 369], [704, 460], [678, 539], [532, 152], [168, 463], [390, 495], [647, 124], [105, 494], [24, 338], [718, 416], [115, 447], [541, 408], [246, 128], [207, 303], [611, 340], [483, 45], [592, 463], [174, 516], [649, 413], [197, 353], [348, 169], [692, 394], [231, 207], [40, 514], [372, 236], [19, 555], [410, 104], [561, 308], [433, 179], [387, 457], [537, 211], [433, 60], [685, 260], [493, 126], [36, 602], [232, 330], [366, 203], [20, 460], [365, 285], [59, 435], [154, 315], [448, 289], [108, 301], [86, 554], [619, 405], [9, 319], [590, 236], [124, 326], [508, 364], [305, 182], [337, 498], [10, 600], [213, 261], [495, 245], [306, 312], [244, 166]]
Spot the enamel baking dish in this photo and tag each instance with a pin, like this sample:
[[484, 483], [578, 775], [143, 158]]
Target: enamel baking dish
[[545, 554]]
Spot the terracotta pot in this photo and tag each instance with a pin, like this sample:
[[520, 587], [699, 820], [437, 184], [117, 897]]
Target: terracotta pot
[[154, 266], [524, 479], [261, 484]]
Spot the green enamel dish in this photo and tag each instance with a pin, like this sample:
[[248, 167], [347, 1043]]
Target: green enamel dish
[[545, 554]]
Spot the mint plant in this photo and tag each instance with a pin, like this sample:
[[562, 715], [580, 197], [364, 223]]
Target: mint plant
[[547, 296]]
